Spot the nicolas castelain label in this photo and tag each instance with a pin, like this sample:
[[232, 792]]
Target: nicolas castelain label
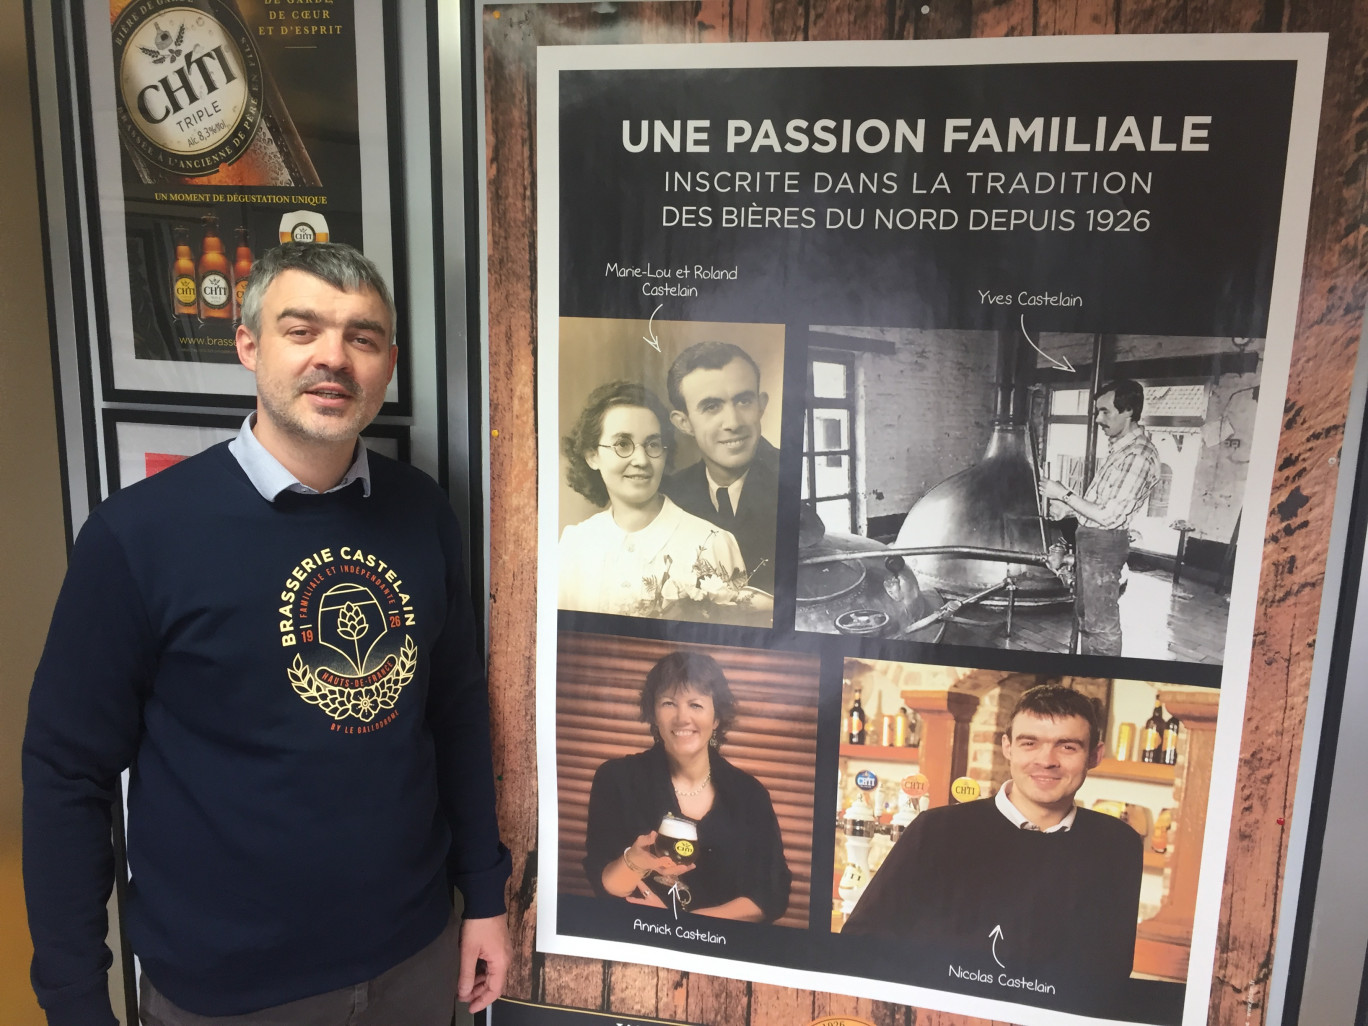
[[190, 88], [840, 1020]]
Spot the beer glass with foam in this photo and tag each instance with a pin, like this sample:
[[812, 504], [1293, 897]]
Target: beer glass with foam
[[676, 837]]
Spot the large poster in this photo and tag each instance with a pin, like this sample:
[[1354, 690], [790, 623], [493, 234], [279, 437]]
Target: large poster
[[900, 406], [221, 129]]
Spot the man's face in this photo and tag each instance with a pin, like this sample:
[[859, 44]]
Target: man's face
[[1112, 421], [722, 411], [322, 361], [1049, 759]]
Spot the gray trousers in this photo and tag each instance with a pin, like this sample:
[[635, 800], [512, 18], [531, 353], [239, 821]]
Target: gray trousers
[[1097, 588], [420, 991]]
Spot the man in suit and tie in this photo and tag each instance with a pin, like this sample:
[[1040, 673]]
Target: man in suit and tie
[[715, 396]]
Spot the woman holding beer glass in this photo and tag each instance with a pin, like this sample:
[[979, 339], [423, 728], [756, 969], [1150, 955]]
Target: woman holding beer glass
[[719, 853], [643, 555]]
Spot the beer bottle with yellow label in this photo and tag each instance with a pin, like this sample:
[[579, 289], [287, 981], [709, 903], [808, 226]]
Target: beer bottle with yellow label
[[184, 293], [855, 721], [1171, 742], [215, 292], [1152, 737], [242, 267]]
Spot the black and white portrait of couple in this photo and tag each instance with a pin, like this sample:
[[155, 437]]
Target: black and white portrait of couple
[[669, 468]]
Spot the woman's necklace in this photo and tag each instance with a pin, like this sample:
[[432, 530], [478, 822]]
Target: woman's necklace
[[697, 790]]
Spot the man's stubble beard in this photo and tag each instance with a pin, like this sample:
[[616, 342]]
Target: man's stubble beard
[[328, 427]]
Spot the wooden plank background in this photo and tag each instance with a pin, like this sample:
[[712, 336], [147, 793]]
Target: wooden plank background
[[1297, 524]]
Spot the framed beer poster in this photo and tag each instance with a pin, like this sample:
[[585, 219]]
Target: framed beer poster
[[220, 129], [139, 444]]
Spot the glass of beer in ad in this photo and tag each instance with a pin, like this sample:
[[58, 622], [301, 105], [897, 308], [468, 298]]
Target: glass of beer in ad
[[676, 837]]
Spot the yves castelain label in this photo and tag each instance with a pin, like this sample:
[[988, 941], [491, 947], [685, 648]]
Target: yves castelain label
[[190, 90], [840, 1020]]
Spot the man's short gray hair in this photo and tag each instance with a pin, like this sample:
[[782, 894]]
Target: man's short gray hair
[[336, 263]]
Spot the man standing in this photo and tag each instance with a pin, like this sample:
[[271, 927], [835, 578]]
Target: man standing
[[714, 390], [1026, 891], [276, 639], [1119, 490]]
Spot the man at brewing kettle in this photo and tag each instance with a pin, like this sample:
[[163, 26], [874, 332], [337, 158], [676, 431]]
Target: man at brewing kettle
[[1117, 493]]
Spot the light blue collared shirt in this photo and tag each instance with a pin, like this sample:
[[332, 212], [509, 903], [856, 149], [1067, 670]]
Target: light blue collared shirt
[[270, 478], [1003, 801]]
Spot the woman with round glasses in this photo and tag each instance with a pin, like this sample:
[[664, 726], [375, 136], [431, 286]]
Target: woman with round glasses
[[733, 865], [643, 555]]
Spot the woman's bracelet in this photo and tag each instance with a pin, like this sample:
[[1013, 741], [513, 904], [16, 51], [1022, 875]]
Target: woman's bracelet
[[638, 870]]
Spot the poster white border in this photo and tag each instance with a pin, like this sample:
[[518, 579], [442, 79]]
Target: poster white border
[[1308, 51]]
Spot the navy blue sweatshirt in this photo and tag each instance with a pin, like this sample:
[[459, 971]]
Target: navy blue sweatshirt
[[297, 690]]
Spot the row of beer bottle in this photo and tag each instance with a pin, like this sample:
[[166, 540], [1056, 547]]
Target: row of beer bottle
[[1159, 738], [892, 730], [210, 288]]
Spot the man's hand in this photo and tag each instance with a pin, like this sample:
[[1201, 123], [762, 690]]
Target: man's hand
[[1052, 489], [486, 952]]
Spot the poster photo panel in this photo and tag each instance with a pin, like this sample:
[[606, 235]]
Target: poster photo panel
[[979, 735], [219, 129], [953, 485], [631, 710], [1039, 296], [694, 563]]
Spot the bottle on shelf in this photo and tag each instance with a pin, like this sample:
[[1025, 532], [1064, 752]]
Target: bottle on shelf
[[900, 728], [855, 721], [242, 267], [1152, 736], [1125, 743], [1170, 754], [184, 293], [883, 721], [215, 292], [914, 729], [1159, 836]]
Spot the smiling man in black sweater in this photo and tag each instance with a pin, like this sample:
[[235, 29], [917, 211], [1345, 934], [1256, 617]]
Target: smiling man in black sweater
[[1025, 897], [275, 638]]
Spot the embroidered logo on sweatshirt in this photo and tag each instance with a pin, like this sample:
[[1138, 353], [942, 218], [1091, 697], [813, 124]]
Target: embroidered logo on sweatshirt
[[347, 615]]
